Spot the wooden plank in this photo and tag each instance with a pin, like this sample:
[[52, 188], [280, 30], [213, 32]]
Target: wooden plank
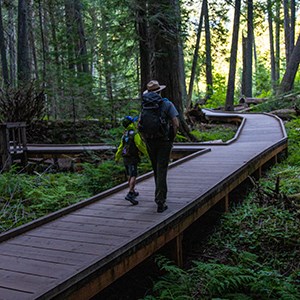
[[22, 283], [44, 243], [148, 206], [46, 255], [35, 267], [110, 213], [103, 222], [11, 294], [82, 237], [92, 228]]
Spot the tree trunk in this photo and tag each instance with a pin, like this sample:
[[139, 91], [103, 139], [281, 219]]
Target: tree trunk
[[209, 78], [53, 107], [287, 82], [143, 34], [93, 42], [32, 40], [5, 73], [287, 30], [53, 25], [43, 42], [249, 50], [277, 42], [23, 46], [69, 15], [11, 33], [106, 62], [166, 63], [244, 53], [181, 64], [292, 25], [272, 51], [195, 58], [82, 51], [233, 54]]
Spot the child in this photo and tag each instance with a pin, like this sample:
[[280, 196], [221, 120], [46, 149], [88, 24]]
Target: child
[[130, 148]]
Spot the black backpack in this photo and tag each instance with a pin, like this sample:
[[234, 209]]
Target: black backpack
[[153, 121], [129, 147]]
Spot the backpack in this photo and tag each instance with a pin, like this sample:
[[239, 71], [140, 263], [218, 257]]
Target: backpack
[[153, 121], [129, 147]]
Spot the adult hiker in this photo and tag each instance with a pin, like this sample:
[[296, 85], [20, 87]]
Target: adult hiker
[[158, 125], [130, 149]]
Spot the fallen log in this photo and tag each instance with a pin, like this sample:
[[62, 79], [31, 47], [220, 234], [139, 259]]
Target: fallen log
[[195, 115], [285, 114], [248, 101]]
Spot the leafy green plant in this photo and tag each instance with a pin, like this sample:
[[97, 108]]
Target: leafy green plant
[[102, 177], [219, 95], [175, 284], [267, 231], [293, 131], [215, 133], [55, 191], [26, 197], [210, 280]]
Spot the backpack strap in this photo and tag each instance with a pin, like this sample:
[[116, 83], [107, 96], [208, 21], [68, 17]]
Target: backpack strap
[[150, 98]]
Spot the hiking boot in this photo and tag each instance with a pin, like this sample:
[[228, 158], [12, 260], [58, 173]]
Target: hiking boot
[[135, 193], [161, 207], [130, 197]]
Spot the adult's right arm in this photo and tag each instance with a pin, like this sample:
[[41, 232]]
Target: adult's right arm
[[175, 123]]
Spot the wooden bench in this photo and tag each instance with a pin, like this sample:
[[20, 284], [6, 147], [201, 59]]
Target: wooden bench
[[13, 143]]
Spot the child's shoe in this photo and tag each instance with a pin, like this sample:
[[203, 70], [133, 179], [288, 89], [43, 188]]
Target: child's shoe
[[130, 197]]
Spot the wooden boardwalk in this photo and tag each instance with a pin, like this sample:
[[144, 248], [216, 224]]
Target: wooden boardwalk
[[78, 251]]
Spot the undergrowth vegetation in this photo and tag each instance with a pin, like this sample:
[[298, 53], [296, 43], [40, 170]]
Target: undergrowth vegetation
[[216, 133], [254, 251], [25, 197]]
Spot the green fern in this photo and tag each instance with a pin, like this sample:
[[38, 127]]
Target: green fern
[[220, 281]]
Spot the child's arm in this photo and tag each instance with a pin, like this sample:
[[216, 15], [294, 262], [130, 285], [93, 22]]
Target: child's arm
[[118, 154], [140, 144]]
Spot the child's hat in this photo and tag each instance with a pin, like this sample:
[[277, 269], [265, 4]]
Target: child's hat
[[127, 121]]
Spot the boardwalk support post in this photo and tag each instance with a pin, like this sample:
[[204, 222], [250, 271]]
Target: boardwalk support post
[[258, 173], [177, 254], [173, 249], [226, 203], [223, 204]]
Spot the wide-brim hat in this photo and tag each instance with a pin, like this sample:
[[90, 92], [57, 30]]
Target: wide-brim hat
[[154, 86]]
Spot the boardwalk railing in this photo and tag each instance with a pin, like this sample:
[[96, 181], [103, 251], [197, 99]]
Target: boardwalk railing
[[12, 143]]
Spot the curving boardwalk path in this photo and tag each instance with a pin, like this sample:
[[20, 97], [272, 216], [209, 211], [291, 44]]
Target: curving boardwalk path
[[78, 251]]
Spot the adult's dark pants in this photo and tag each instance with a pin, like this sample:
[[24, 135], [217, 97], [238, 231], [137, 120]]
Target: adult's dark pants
[[159, 153]]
